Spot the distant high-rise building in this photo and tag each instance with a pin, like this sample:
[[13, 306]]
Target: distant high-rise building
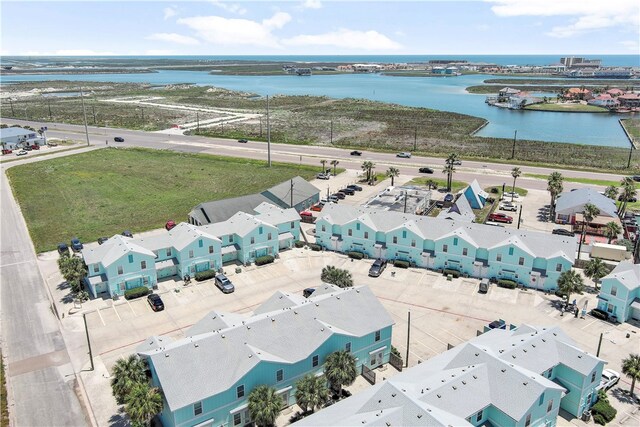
[[579, 62]]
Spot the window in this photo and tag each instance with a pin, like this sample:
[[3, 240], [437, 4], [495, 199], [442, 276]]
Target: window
[[210, 249], [197, 408], [558, 267], [521, 261], [377, 335], [550, 405], [200, 243], [260, 230], [593, 377], [349, 232], [498, 257], [120, 270], [191, 253], [395, 239], [541, 400], [413, 243], [96, 268], [366, 234], [143, 265], [455, 241], [478, 416], [445, 248], [527, 422], [253, 240], [324, 228], [510, 251], [549, 372], [130, 259], [237, 419], [404, 234], [315, 361], [464, 251], [279, 375], [168, 251], [614, 291], [292, 224], [240, 391], [347, 346], [357, 226]]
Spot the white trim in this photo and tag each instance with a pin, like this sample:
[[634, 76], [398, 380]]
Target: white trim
[[239, 409], [204, 423], [284, 390], [378, 350]]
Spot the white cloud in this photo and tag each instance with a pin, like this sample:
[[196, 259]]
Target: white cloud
[[226, 31], [158, 52], [632, 45], [587, 15], [81, 52], [169, 12], [311, 4], [173, 38], [230, 7], [345, 38]]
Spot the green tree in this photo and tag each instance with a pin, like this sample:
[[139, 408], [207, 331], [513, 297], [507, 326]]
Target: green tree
[[554, 187], [432, 184], [596, 269], [324, 165], [368, 167], [393, 173], [569, 283], [336, 276], [127, 373], [334, 163], [515, 173], [627, 193], [311, 392], [449, 168], [611, 192], [611, 230], [73, 270], [631, 368], [264, 405], [340, 369], [589, 213], [142, 403]]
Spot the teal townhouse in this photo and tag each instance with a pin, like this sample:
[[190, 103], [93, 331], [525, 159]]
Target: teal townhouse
[[532, 259], [206, 378], [123, 263], [620, 292], [521, 377]]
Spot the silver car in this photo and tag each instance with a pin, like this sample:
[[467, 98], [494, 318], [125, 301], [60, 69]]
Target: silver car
[[224, 284]]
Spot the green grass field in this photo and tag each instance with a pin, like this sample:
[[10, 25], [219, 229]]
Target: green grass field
[[104, 192], [4, 409], [603, 182], [567, 108], [441, 182]]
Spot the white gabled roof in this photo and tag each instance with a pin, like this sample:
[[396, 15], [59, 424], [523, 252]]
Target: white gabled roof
[[112, 250], [627, 274]]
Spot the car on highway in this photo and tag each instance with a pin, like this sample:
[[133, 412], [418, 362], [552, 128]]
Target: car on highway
[[170, 224], [609, 379], [118, 139], [483, 288], [52, 144], [562, 232], [35, 147], [448, 198], [356, 153], [243, 141], [224, 284], [510, 194], [21, 153], [63, 249], [155, 302], [355, 187], [425, 170], [636, 178], [76, 244], [7, 151], [27, 148], [508, 206], [348, 191], [457, 162], [500, 217], [404, 155], [322, 175], [101, 240], [377, 267], [127, 233]]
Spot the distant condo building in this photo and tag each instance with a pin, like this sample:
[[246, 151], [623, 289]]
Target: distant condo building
[[579, 62]]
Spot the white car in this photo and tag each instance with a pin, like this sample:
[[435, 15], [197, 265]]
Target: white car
[[22, 153], [322, 176], [404, 154], [609, 379], [508, 206], [511, 194]]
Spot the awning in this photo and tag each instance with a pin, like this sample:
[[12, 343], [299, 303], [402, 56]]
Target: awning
[[96, 280], [171, 262], [239, 408], [378, 350], [285, 236], [230, 249], [602, 298], [636, 304], [599, 220]]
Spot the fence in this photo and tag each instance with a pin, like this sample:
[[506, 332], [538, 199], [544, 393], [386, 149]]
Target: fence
[[396, 361], [368, 374]]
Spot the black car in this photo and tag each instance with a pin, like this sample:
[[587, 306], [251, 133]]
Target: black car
[[308, 292], [636, 178], [484, 286], [76, 244], [425, 170], [155, 302], [631, 200], [127, 233], [448, 198], [101, 240], [339, 195], [562, 232], [377, 267], [243, 141], [118, 139], [355, 187], [63, 249], [348, 191], [356, 153], [600, 314], [27, 148]]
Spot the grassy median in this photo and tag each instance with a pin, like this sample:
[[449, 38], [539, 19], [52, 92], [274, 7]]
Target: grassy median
[[104, 192]]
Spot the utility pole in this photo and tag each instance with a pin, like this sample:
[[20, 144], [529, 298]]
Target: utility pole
[[519, 217], [406, 361], [331, 134], [405, 202], [513, 149], [197, 121], [49, 105], [599, 344], [93, 109], [13, 114], [415, 139], [291, 204], [142, 109], [84, 317], [260, 126], [268, 136], [84, 112], [630, 153]]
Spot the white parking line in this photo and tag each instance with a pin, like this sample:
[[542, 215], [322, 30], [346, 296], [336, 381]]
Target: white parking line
[[131, 307], [16, 263], [100, 316], [114, 309], [589, 324]]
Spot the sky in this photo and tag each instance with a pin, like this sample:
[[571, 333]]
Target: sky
[[319, 27]]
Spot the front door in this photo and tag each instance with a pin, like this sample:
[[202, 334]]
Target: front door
[[375, 358], [203, 266]]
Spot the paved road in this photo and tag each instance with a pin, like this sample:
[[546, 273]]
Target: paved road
[[40, 378]]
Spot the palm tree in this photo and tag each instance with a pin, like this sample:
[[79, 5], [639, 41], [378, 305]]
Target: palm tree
[[126, 373], [324, 165], [631, 368], [432, 184], [589, 213], [595, 269], [73, 270], [368, 168], [515, 173], [334, 163], [393, 172], [628, 192], [570, 282], [611, 230], [449, 168], [143, 403], [611, 192], [336, 276], [340, 369], [311, 392], [264, 405], [554, 187]]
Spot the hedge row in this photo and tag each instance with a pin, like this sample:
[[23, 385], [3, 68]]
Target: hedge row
[[138, 292], [204, 275], [453, 273], [355, 255], [401, 264], [267, 259], [509, 284], [299, 244], [603, 412], [315, 247]]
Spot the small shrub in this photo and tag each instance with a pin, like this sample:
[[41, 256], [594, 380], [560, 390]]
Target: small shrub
[[604, 409], [401, 264], [599, 419], [138, 292], [204, 275], [454, 273], [267, 259], [495, 190], [299, 244], [315, 247], [355, 255], [509, 284]]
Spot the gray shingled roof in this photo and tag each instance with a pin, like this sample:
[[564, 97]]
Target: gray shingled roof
[[461, 210], [572, 202], [302, 191], [539, 244], [204, 365], [222, 210], [627, 274]]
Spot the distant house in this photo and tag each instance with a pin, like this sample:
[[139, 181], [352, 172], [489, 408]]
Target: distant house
[[604, 100], [506, 93], [576, 93], [475, 195], [16, 137], [620, 292], [571, 203], [451, 70], [459, 211], [615, 92], [438, 70], [629, 100]]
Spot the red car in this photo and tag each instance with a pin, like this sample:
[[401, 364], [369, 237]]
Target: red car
[[7, 151], [500, 217], [170, 224], [35, 147], [316, 208]]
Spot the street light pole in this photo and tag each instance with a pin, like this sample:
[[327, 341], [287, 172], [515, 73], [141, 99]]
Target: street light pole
[[513, 149], [630, 153], [268, 136], [406, 362], [84, 112]]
